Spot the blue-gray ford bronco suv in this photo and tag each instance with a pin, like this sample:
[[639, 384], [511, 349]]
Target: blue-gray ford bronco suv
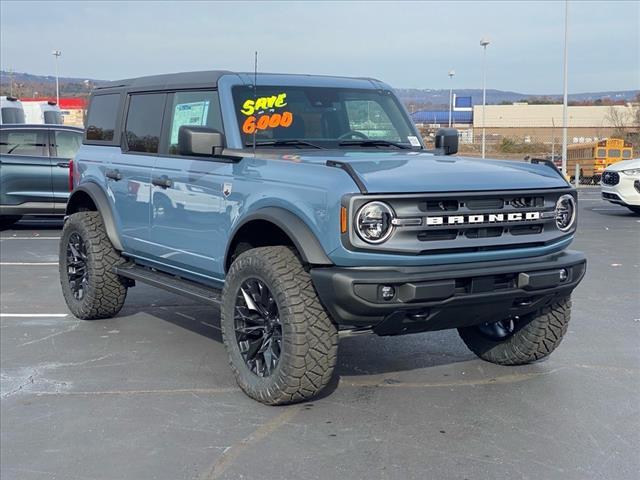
[[305, 205]]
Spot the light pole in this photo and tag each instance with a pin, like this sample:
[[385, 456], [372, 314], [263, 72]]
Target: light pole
[[57, 53], [451, 74], [484, 42], [565, 115]]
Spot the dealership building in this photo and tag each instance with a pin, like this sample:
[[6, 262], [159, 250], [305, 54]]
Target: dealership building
[[531, 122]]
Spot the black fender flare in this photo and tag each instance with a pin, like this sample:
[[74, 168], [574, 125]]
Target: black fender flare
[[297, 230], [103, 206]]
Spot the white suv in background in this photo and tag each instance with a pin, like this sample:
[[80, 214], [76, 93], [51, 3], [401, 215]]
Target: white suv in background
[[621, 184], [42, 112]]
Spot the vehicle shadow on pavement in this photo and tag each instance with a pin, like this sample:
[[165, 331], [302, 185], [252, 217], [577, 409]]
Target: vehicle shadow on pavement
[[361, 355], [35, 223], [374, 355]]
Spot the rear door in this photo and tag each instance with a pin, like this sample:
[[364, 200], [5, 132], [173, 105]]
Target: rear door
[[25, 170], [130, 171], [64, 146]]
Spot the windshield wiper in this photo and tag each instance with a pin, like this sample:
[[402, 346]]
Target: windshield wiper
[[373, 143], [284, 143]]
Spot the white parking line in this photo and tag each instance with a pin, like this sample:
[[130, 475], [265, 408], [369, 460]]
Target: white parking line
[[29, 238], [33, 315], [36, 264]]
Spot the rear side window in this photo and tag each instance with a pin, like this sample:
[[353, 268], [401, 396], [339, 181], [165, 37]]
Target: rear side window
[[198, 108], [67, 143], [24, 142], [144, 122], [103, 115]]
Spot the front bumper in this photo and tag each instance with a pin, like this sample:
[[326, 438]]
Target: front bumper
[[626, 192], [445, 296]]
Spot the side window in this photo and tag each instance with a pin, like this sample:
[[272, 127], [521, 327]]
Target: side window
[[67, 143], [200, 108], [103, 114], [24, 142], [144, 122], [602, 153]]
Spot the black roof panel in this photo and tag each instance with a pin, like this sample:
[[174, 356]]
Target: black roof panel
[[167, 81]]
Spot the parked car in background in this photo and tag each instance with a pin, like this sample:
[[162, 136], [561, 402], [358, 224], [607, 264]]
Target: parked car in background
[[43, 112], [621, 184], [34, 169], [11, 111]]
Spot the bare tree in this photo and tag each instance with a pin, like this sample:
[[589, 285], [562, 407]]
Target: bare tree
[[621, 119]]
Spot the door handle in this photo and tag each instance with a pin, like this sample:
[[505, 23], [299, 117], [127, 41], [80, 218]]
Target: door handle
[[162, 182], [63, 164], [113, 175]]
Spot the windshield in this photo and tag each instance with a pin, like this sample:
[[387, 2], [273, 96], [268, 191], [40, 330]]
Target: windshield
[[12, 115], [322, 117]]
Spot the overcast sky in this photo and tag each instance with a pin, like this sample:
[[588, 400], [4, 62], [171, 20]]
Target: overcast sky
[[412, 44]]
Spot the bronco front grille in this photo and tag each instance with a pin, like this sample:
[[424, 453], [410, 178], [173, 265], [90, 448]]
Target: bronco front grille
[[610, 178], [465, 222]]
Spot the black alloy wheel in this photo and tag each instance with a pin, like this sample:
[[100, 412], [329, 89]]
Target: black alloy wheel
[[77, 275], [258, 327]]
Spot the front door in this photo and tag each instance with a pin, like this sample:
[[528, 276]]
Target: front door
[[190, 207], [26, 171]]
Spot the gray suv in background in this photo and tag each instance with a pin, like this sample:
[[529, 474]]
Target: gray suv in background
[[34, 169]]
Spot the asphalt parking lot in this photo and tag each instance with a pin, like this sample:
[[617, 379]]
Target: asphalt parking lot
[[149, 395]]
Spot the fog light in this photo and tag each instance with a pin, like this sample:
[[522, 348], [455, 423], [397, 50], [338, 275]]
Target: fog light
[[564, 274], [387, 292]]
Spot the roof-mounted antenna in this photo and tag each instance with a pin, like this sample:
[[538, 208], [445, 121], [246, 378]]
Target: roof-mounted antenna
[[255, 92]]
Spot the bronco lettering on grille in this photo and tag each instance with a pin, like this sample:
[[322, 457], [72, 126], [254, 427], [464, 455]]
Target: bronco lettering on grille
[[487, 218]]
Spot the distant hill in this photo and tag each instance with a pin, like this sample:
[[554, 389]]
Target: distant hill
[[434, 99], [26, 84], [29, 85]]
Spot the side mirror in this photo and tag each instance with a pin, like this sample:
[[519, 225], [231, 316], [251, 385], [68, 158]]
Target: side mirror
[[202, 141], [447, 140]]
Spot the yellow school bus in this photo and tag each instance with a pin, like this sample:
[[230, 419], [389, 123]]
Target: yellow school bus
[[594, 157]]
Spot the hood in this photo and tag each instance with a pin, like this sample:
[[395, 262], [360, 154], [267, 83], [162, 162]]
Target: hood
[[413, 171], [625, 165]]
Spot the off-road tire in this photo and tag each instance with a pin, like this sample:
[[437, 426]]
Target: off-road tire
[[8, 220], [309, 338], [106, 292], [534, 337]]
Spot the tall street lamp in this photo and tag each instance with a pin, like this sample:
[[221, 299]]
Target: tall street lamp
[[484, 42], [565, 115], [451, 74], [57, 53]]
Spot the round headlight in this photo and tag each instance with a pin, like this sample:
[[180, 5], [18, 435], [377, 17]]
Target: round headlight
[[565, 212], [373, 222]]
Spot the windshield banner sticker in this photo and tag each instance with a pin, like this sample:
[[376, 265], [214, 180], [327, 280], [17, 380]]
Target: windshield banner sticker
[[413, 140], [261, 113]]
